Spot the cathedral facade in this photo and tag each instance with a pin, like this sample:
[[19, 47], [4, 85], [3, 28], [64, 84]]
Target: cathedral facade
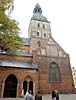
[[42, 64]]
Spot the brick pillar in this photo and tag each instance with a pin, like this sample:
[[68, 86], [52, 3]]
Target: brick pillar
[[19, 89]]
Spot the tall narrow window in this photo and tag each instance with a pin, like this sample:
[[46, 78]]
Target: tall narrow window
[[43, 26], [44, 34], [37, 33], [38, 25], [54, 73]]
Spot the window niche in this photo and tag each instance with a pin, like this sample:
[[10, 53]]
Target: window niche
[[38, 25], [44, 34], [38, 44], [37, 33], [43, 26], [54, 73]]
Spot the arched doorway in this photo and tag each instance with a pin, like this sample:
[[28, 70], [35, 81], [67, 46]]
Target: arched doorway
[[28, 84], [10, 88]]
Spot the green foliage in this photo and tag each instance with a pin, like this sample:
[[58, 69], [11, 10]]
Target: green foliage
[[9, 31], [6, 5]]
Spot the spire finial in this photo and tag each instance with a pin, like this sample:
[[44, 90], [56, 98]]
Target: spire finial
[[37, 1], [37, 9]]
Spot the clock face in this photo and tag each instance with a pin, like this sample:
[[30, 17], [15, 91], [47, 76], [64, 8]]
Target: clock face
[[40, 18]]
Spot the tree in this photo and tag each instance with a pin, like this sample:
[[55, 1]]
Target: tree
[[6, 5], [9, 31]]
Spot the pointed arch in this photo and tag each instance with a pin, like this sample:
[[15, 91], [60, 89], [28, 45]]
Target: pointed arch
[[28, 78], [28, 84], [10, 89], [53, 64]]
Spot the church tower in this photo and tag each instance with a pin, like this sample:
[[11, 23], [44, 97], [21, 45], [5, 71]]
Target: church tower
[[41, 64], [53, 62], [40, 35], [39, 29]]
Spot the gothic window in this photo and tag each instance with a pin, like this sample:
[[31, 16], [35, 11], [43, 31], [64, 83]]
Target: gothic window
[[37, 33], [54, 73]]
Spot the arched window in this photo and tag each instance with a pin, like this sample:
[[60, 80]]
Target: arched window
[[38, 44], [28, 84], [54, 73]]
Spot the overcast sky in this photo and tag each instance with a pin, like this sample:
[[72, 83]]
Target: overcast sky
[[62, 17]]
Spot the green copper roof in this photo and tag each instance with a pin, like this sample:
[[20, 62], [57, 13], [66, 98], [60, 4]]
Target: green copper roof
[[38, 14], [37, 9]]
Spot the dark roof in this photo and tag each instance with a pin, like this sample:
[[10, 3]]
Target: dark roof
[[17, 64], [25, 54], [20, 54]]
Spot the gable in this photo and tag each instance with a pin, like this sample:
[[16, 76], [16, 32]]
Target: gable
[[51, 48], [55, 48]]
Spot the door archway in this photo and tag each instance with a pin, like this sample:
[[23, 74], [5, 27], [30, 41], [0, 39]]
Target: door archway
[[10, 88]]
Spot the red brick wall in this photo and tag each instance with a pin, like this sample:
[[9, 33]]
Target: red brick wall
[[40, 78], [66, 83], [20, 75], [18, 58]]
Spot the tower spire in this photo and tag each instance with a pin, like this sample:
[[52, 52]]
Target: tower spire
[[37, 9], [37, 1]]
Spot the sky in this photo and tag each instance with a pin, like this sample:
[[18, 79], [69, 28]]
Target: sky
[[62, 17]]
